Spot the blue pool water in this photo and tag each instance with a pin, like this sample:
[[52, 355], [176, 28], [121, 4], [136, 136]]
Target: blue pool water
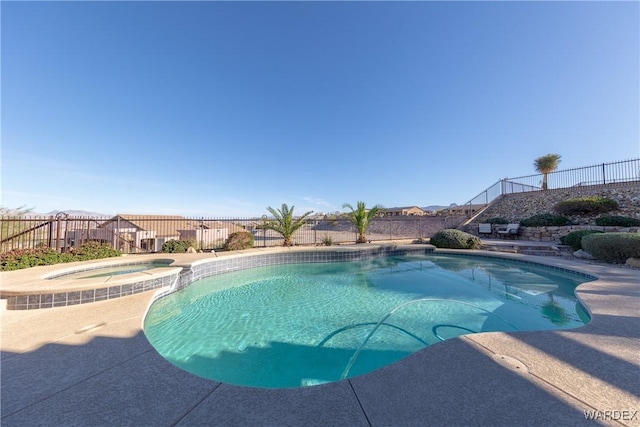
[[304, 324]]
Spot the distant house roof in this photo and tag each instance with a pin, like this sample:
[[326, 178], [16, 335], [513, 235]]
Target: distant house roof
[[405, 210], [169, 225]]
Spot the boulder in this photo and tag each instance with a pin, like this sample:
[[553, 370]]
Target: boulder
[[582, 254], [633, 262]]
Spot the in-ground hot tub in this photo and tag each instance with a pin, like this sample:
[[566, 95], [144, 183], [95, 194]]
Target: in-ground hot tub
[[86, 282], [93, 271]]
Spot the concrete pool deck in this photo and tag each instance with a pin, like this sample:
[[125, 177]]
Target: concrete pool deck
[[91, 365]]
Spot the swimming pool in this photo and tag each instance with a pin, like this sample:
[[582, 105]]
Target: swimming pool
[[311, 323]]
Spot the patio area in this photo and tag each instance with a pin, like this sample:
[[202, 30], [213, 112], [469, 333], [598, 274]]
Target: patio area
[[91, 365]]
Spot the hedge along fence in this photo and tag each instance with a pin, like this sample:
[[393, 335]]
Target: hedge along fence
[[18, 259]]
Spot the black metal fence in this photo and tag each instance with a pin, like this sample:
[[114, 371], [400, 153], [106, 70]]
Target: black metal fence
[[25, 232], [615, 173], [148, 233]]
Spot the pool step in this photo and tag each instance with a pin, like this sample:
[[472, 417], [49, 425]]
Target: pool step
[[539, 251], [536, 250]]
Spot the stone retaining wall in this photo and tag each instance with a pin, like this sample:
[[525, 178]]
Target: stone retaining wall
[[515, 207], [553, 234]]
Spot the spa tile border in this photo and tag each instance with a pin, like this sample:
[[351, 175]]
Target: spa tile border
[[212, 267], [61, 299], [191, 273], [227, 265]]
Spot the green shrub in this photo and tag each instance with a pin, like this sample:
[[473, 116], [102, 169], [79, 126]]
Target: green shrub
[[238, 241], [574, 239], [497, 220], [591, 205], [24, 258], [545, 219], [612, 247], [455, 239], [617, 221], [93, 250], [14, 261], [175, 246]]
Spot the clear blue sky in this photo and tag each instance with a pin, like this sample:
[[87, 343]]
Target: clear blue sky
[[225, 108]]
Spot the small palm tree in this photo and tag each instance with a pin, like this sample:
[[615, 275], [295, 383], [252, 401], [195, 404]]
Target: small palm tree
[[284, 223], [554, 312], [545, 165], [360, 217]]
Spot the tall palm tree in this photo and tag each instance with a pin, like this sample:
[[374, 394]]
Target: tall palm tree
[[545, 165], [284, 223], [360, 217]]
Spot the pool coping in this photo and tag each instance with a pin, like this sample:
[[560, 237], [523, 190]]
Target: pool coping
[[499, 378]]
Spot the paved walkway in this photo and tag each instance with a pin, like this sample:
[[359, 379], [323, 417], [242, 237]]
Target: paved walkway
[[91, 365]]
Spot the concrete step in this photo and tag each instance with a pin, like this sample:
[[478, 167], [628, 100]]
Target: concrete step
[[539, 251]]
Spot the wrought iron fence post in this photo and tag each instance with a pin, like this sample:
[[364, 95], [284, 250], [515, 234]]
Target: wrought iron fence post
[[201, 232], [118, 233], [59, 217], [604, 178]]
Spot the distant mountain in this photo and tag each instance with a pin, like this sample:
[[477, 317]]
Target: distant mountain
[[438, 207], [72, 212]]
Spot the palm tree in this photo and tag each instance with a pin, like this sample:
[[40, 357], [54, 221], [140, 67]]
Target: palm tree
[[284, 223], [554, 312], [360, 218], [545, 165]]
